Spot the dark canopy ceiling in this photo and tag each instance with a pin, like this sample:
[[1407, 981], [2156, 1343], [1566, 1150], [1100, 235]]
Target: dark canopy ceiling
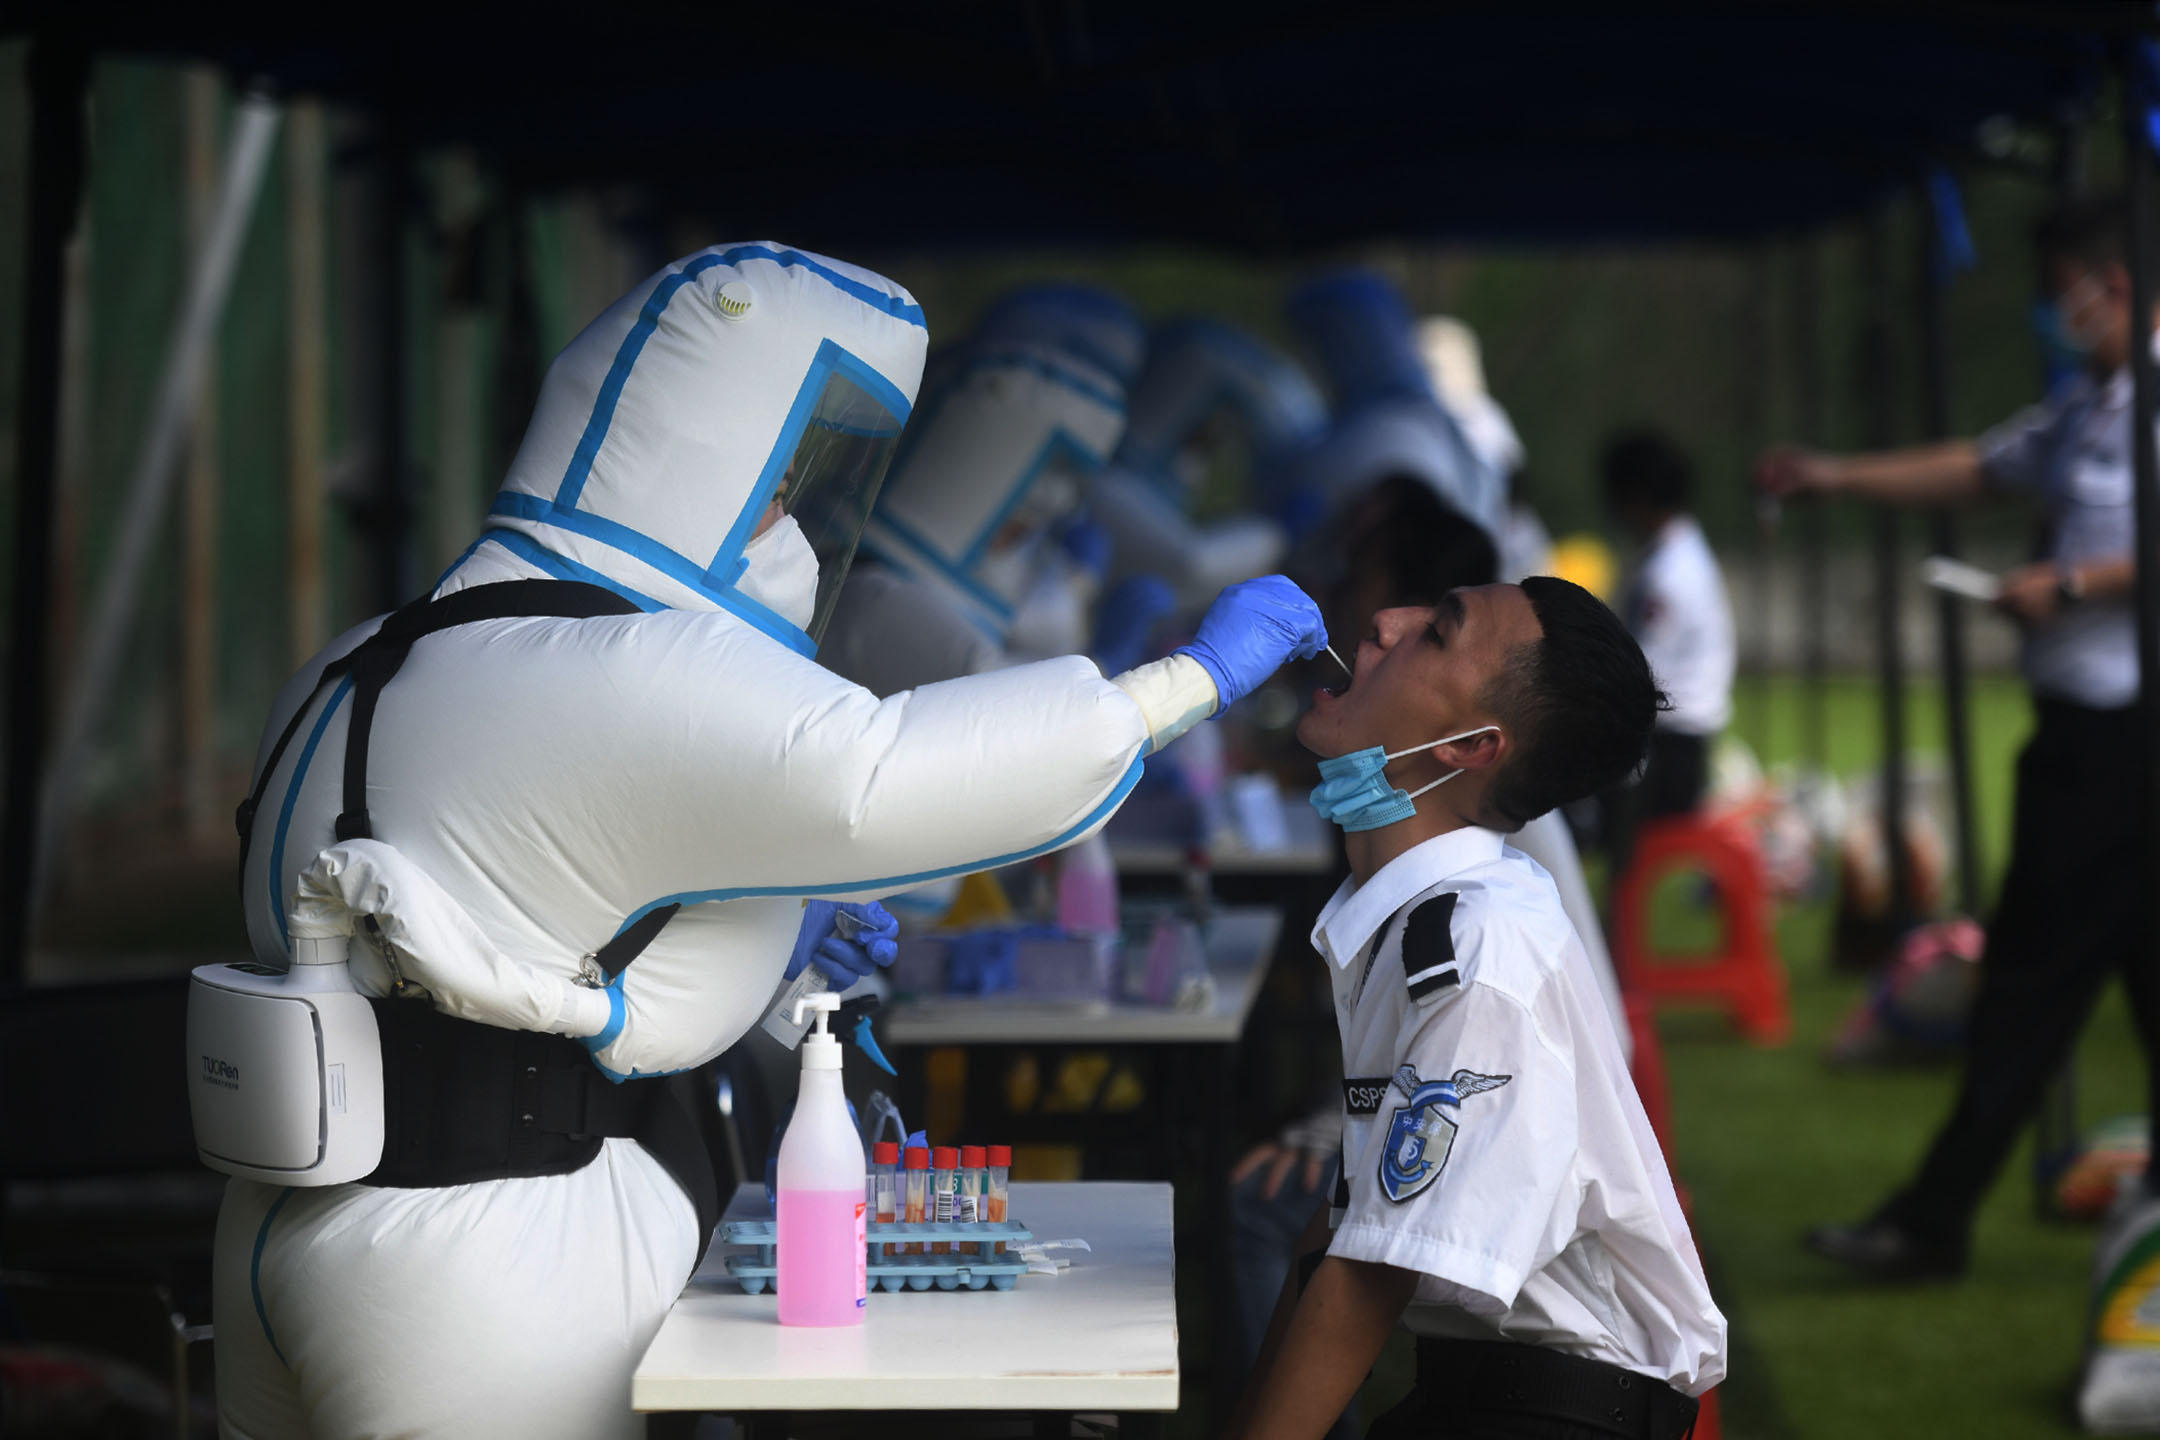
[[1265, 125]]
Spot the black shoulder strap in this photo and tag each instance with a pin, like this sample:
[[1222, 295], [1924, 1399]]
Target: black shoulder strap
[[615, 956], [374, 661], [377, 660]]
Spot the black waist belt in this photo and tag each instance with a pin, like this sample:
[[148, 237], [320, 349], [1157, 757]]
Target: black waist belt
[[464, 1102], [1473, 1377]]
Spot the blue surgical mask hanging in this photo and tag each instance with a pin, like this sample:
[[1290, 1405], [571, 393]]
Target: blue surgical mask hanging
[[1354, 791]]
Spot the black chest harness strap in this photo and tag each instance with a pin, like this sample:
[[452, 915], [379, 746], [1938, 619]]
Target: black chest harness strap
[[462, 1101]]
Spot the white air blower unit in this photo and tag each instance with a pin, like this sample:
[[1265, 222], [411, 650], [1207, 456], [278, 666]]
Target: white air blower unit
[[285, 1074]]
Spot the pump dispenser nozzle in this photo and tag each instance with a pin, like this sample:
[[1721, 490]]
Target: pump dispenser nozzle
[[820, 1047], [824, 1002]]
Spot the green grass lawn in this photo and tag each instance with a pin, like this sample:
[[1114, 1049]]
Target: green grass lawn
[[1772, 1141]]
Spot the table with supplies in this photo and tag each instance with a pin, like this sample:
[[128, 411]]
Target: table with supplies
[[1101, 1336], [1139, 1091]]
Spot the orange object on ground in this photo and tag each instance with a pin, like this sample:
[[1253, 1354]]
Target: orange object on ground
[[1742, 972]]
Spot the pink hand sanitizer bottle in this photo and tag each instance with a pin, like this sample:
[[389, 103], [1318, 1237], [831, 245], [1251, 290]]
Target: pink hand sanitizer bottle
[[824, 1266], [1087, 889]]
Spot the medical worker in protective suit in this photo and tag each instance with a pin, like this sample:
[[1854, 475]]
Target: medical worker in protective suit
[[1208, 388], [963, 570], [580, 831]]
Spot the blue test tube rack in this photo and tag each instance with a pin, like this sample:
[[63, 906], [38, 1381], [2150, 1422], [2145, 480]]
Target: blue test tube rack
[[985, 1269]]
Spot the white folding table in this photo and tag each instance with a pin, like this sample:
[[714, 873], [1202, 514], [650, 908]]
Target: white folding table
[[1101, 1337]]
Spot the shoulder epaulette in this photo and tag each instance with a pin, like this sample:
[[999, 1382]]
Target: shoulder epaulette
[[1428, 947]]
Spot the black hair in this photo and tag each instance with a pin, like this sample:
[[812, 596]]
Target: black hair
[[2090, 230], [1426, 546], [1577, 703], [1646, 467]]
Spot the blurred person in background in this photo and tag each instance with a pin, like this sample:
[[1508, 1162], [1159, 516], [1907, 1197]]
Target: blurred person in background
[[977, 555], [1456, 363], [1387, 418], [1081, 320], [1675, 605], [2072, 908], [1212, 399]]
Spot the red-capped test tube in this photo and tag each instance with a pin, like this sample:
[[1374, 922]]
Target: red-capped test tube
[[917, 1198], [884, 1183], [973, 1184], [996, 1175], [944, 1190]]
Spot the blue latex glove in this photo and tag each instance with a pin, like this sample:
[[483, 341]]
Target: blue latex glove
[[1127, 618], [844, 941], [1088, 544], [1251, 631]]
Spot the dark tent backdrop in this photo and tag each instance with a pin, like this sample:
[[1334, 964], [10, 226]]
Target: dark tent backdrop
[[1270, 129]]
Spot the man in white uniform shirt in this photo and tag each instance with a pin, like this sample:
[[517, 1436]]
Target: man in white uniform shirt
[[1503, 1197], [1676, 607], [2072, 907]]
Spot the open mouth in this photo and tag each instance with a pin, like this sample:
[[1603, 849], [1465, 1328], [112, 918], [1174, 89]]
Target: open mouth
[[1340, 687]]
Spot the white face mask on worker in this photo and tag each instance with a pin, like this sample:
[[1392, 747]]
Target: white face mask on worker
[[782, 573]]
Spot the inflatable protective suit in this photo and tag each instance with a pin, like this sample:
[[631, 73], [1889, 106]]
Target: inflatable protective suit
[[1203, 376], [708, 449], [967, 570], [1084, 321]]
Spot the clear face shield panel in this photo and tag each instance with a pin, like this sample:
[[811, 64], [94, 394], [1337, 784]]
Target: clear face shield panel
[[1012, 552], [1213, 466], [826, 491]]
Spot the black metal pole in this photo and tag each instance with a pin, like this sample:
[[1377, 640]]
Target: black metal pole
[[2055, 1132], [1758, 362], [58, 75], [1814, 521], [1943, 535], [2137, 182], [1880, 379]]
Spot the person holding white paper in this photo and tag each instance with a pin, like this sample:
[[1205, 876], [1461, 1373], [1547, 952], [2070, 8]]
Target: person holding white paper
[[2073, 908]]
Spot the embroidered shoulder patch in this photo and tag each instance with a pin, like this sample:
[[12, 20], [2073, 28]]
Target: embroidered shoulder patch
[[1428, 947], [1421, 1133]]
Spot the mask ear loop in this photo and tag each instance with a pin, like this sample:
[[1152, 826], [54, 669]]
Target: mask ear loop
[[1444, 740], [1435, 784]]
